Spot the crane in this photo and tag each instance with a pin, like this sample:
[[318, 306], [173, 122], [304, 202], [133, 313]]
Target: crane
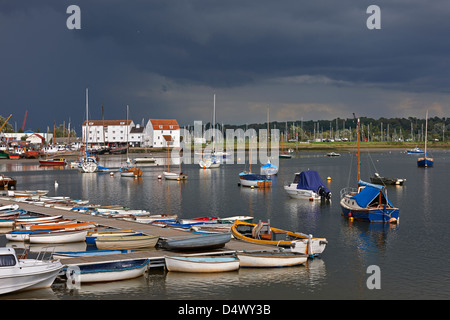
[[4, 123], [24, 120]]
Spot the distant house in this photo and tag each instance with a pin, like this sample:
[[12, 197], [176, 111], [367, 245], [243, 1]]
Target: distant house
[[162, 133], [136, 137], [35, 138], [107, 131]]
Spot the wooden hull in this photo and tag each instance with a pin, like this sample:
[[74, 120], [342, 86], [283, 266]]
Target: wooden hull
[[111, 271], [270, 259], [425, 162], [202, 264], [30, 221], [211, 241], [132, 172], [371, 215], [127, 242], [71, 226], [58, 237], [89, 253], [298, 242], [60, 162], [90, 239], [21, 235]]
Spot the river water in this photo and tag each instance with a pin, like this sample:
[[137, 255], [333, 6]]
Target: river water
[[412, 259]]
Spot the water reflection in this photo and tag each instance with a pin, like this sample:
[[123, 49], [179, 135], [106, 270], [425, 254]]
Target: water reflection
[[243, 283]]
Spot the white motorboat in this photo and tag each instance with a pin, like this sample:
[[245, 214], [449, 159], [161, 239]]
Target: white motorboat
[[25, 274], [308, 185]]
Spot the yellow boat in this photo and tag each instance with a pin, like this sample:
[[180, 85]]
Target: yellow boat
[[263, 233]]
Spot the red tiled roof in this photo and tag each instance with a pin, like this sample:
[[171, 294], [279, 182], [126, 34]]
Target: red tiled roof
[[165, 123]]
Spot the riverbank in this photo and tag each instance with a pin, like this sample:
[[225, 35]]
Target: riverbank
[[312, 146]]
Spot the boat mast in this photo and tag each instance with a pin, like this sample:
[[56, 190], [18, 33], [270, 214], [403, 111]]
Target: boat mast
[[426, 133], [87, 121], [359, 164], [214, 124]]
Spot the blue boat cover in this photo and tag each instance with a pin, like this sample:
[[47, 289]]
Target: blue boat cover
[[310, 180], [269, 165], [370, 192]]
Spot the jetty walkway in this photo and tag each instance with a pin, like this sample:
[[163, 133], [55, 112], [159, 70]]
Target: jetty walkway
[[156, 256]]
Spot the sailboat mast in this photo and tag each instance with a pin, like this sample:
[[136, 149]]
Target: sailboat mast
[[87, 120], [426, 133], [359, 163], [214, 123]]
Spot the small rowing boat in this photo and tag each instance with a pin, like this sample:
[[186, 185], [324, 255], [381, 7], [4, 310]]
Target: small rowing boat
[[88, 253], [201, 263], [57, 237], [64, 225], [92, 236], [126, 242], [108, 271], [267, 259], [263, 233], [208, 241]]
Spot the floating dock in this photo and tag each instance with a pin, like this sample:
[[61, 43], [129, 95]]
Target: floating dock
[[156, 256]]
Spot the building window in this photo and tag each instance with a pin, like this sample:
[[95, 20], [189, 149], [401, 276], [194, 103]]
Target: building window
[[160, 127], [171, 127]]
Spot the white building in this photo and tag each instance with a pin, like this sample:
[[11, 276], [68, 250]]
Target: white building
[[162, 133], [136, 137], [107, 131]]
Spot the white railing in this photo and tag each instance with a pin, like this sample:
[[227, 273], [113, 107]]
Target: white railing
[[347, 190]]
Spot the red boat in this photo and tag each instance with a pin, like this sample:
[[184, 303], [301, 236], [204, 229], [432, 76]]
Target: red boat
[[53, 162], [32, 154]]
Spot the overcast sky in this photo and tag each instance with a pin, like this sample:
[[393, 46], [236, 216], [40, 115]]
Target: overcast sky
[[166, 58]]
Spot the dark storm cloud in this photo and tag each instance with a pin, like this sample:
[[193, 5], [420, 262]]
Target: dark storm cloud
[[165, 57]]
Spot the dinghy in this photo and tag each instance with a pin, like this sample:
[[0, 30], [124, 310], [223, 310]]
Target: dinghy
[[108, 271], [126, 242], [263, 233], [201, 263], [209, 241], [267, 259]]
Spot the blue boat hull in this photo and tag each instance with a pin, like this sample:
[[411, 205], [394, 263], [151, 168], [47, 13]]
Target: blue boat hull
[[425, 162], [372, 215]]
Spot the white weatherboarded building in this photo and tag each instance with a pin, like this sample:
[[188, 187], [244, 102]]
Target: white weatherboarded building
[[107, 131], [162, 133]]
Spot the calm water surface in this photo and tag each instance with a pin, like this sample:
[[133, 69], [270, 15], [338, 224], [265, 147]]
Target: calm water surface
[[412, 255]]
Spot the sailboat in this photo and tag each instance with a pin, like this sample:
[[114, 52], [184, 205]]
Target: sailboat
[[213, 161], [425, 161], [129, 171], [88, 163], [284, 155], [173, 175], [369, 202], [249, 179], [269, 168]]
